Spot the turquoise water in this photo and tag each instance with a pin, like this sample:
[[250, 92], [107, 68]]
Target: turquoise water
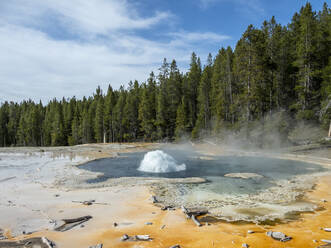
[[213, 169]]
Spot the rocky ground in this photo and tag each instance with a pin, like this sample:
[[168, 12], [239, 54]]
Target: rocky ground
[[41, 186]]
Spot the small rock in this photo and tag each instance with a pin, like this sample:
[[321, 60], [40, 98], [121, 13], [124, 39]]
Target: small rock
[[125, 237], [279, 236], [323, 200], [115, 224], [175, 246], [56, 195], [148, 223], [82, 226], [315, 241], [153, 213], [163, 226], [250, 231], [97, 246], [245, 245], [143, 237], [326, 241], [327, 229]]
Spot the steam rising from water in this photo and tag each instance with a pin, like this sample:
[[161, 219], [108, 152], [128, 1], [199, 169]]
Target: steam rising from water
[[160, 162]]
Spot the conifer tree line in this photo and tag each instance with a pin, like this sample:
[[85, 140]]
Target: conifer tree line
[[274, 69]]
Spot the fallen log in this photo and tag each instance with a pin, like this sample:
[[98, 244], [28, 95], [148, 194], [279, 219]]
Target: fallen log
[[193, 212], [195, 220], [48, 243], [126, 237], [153, 198], [97, 246], [198, 212], [71, 223], [185, 211], [41, 242]]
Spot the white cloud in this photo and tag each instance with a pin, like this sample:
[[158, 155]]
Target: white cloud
[[35, 65], [188, 37], [247, 7], [97, 16]]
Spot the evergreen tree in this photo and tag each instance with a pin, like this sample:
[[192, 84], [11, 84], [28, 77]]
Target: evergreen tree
[[194, 77], [204, 116], [109, 120], [308, 84], [181, 120], [273, 74], [99, 122], [162, 113], [119, 115], [147, 110]]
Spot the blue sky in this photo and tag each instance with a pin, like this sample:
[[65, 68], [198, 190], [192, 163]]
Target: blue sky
[[56, 48]]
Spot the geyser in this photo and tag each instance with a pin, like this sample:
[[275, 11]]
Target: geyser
[[237, 188], [160, 162]]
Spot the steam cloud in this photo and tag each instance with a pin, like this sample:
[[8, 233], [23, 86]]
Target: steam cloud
[[160, 162]]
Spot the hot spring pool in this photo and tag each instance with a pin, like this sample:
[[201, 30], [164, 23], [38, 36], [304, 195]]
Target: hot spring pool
[[237, 188]]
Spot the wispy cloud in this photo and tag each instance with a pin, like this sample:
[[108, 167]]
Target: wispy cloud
[[105, 46], [97, 16], [199, 36], [247, 7]]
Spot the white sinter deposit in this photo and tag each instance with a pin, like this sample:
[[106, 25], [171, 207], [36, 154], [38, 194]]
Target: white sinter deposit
[[160, 162]]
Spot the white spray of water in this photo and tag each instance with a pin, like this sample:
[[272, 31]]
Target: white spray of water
[[160, 162]]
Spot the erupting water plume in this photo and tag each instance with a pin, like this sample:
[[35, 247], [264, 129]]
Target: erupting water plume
[[160, 162]]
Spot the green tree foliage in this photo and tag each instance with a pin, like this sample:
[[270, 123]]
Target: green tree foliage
[[147, 109], [204, 103], [273, 75], [191, 89], [308, 81]]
